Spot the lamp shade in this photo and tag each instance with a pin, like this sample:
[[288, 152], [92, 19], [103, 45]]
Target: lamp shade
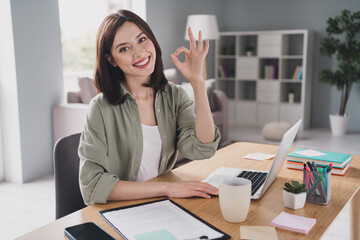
[[206, 23]]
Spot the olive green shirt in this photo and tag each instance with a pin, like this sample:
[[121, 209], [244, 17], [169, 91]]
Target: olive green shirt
[[111, 143]]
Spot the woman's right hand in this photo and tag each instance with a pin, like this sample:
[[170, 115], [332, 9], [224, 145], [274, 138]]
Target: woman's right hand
[[191, 189]]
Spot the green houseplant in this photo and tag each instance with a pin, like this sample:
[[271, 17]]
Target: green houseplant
[[294, 195], [342, 40]]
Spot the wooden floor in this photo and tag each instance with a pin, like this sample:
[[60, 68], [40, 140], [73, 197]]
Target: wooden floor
[[25, 207]]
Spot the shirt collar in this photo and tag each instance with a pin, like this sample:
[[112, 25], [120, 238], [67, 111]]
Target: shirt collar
[[126, 92]]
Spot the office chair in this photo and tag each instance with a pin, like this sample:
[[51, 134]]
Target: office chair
[[66, 168]]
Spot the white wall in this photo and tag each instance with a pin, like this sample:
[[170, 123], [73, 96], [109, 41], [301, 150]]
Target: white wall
[[9, 112], [30, 85], [167, 19], [249, 15], [245, 15]]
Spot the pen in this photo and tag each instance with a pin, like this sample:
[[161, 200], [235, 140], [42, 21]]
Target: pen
[[314, 187], [322, 178], [330, 167], [325, 176], [307, 176], [318, 174], [203, 237], [313, 176], [310, 166], [314, 166]]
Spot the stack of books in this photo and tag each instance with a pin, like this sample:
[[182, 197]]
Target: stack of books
[[270, 72], [340, 161], [298, 73]]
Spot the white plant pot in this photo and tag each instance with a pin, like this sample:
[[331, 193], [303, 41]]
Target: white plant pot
[[339, 124], [294, 201]]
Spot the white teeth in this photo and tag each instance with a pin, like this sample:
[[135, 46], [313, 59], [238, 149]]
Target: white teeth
[[142, 63]]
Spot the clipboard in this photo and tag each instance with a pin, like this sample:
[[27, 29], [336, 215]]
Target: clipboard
[[124, 221]]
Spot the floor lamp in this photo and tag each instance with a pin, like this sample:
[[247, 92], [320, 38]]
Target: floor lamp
[[209, 29]]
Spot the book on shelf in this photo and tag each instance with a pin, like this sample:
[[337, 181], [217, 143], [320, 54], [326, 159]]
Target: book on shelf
[[222, 71], [339, 160], [298, 73], [294, 222], [334, 171], [269, 72]]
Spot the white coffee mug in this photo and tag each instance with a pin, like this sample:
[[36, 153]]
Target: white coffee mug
[[235, 198]]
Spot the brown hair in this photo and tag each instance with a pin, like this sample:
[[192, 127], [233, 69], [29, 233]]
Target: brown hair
[[107, 77]]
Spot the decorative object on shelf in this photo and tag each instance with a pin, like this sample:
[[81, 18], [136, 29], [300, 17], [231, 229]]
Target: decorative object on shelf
[[249, 50], [294, 195], [207, 24], [291, 95], [343, 41]]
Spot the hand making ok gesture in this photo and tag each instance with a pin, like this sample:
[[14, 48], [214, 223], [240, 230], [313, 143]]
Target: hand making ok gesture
[[192, 67]]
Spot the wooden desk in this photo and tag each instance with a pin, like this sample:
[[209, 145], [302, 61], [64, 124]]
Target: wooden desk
[[261, 212]]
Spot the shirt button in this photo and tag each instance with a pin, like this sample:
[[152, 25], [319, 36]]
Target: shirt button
[[158, 110], [164, 137]]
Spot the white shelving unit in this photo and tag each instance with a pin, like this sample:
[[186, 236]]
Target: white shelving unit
[[258, 86]]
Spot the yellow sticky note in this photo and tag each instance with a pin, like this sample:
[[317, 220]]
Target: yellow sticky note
[[258, 232]]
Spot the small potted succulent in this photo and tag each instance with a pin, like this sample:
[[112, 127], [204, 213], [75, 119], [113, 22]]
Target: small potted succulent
[[294, 195], [249, 50]]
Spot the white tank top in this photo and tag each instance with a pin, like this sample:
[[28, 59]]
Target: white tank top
[[150, 160]]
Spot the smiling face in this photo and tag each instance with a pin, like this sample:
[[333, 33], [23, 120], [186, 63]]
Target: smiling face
[[133, 52]]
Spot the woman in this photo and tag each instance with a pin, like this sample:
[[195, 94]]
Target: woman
[[138, 121]]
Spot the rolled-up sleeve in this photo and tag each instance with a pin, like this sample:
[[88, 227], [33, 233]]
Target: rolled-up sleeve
[[96, 183], [188, 144]]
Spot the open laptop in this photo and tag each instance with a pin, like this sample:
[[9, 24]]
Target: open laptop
[[261, 180]]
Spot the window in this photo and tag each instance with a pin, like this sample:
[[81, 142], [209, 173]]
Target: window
[[79, 22]]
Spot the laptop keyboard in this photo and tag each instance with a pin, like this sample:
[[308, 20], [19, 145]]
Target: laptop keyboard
[[256, 178]]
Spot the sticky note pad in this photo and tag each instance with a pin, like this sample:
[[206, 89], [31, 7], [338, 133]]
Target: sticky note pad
[[159, 235], [310, 153], [294, 222], [258, 232], [258, 156]]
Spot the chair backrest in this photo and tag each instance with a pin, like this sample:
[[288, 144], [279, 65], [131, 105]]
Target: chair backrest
[[66, 168]]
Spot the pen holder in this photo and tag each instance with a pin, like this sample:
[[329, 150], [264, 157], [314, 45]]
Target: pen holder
[[318, 185]]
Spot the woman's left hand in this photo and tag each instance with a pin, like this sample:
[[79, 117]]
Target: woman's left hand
[[192, 68]]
